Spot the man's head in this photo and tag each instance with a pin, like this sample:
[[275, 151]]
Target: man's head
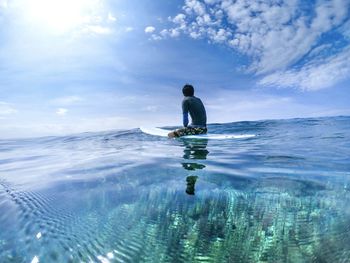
[[188, 90]]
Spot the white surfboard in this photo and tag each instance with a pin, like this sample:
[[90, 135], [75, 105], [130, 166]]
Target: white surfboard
[[164, 133], [155, 131]]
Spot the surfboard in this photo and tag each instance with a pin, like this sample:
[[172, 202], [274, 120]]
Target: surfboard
[[155, 131], [164, 133]]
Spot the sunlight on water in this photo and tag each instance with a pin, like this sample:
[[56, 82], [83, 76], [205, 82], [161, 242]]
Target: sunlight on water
[[281, 196]]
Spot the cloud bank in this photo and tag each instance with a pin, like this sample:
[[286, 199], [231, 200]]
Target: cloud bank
[[314, 75], [275, 36]]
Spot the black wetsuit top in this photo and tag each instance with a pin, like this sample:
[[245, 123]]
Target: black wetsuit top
[[195, 107]]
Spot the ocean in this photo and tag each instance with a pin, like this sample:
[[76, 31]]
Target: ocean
[[125, 196]]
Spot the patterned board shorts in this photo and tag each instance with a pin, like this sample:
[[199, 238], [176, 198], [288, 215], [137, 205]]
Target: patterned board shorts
[[190, 131]]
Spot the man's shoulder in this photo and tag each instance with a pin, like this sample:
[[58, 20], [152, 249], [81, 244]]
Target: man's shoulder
[[187, 100], [191, 98], [191, 102]]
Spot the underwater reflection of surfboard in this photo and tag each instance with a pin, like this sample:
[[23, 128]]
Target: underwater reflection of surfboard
[[164, 133]]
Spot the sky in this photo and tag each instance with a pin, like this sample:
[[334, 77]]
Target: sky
[[71, 66]]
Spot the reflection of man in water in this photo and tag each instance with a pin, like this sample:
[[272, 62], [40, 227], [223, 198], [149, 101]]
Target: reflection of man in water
[[194, 149], [191, 181]]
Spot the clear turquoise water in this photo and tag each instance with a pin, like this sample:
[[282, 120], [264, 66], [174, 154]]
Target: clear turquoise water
[[282, 196]]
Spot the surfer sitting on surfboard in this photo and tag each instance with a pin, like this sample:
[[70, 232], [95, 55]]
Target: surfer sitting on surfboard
[[194, 106]]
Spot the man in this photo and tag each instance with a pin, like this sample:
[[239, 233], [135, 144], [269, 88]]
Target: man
[[193, 106]]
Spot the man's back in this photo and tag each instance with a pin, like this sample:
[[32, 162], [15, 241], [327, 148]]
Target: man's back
[[195, 107]]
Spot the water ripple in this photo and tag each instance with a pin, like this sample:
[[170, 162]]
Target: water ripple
[[123, 196]]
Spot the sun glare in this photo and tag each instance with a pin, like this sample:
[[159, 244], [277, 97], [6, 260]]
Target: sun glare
[[60, 15]]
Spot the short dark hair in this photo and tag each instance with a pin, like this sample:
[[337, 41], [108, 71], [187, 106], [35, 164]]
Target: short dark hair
[[188, 90]]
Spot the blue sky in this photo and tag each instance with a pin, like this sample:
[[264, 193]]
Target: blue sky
[[91, 65]]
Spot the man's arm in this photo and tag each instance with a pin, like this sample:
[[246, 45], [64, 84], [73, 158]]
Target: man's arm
[[185, 119], [185, 113]]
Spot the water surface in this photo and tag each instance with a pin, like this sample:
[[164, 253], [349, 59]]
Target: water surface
[[124, 196]]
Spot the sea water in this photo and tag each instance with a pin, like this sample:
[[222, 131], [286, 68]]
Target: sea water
[[124, 196]]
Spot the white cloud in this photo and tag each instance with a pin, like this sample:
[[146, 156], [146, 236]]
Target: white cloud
[[345, 29], [194, 6], [111, 17], [129, 29], [195, 35], [61, 111], [313, 76], [96, 29], [155, 37], [274, 34], [67, 101], [317, 50], [6, 109], [150, 29], [174, 33], [179, 19]]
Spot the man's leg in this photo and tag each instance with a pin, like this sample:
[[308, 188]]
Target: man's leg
[[171, 134], [178, 133], [187, 131]]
